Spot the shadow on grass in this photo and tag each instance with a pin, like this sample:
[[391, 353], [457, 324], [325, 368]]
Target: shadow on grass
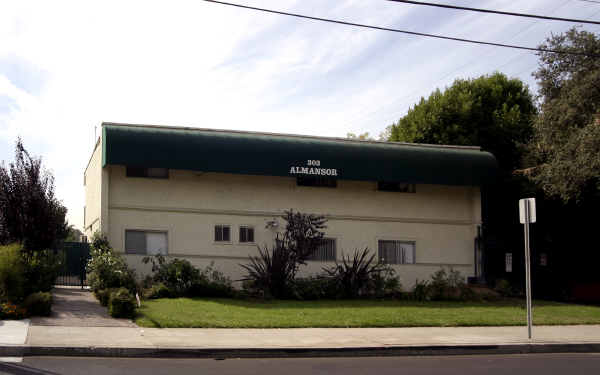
[[366, 303]]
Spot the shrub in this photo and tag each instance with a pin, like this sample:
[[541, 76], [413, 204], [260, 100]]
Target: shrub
[[313, 288], [504, 288], [9, 310], [121, 304], [12, 280], [360, 276], [103, 295], [106, 269], [38, 304], [421, 291], [447, 285], [159, 290], [180, 278], [178, 275], [41, 269], [272, 272]]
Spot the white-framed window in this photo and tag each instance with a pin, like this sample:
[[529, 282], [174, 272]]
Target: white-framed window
[[222, 233], [396, 252], [146, 242], [246, 234], [326, 252]]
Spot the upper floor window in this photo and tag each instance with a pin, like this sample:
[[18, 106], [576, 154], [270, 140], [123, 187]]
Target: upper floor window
[[400, 187], [222, 233], [396, 252], [317, 181], [326, 252], [246, 234], [147, 172], [146, 242]]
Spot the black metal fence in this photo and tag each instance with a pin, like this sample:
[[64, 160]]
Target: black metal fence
[[73, 258]]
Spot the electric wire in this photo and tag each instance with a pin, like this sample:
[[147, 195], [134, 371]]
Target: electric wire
[[456, 7], [399, 30]]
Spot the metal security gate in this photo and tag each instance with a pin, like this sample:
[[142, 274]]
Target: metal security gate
[[73, 258]]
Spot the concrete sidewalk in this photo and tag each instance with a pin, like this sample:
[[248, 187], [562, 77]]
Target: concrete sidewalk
[[194, 342]]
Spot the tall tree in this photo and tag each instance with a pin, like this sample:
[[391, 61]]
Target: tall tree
[[496, 113], [566, 147], [29, 211], [492, 111]]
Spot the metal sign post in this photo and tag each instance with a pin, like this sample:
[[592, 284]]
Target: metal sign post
[[527, 215]]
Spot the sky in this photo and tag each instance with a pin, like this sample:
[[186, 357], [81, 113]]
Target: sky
[[67, 66]]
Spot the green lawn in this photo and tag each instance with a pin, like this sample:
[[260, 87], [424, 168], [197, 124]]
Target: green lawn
[[230, 313]]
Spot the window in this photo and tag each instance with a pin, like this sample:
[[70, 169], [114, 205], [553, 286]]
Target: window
[[147, 172], [222, 233], [396, 252], [246, 234], [400, 187], [146, 242], [325, 252], [316, 181]]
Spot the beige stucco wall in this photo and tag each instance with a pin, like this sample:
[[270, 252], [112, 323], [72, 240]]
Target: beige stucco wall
[[440, 219], [93, 184]]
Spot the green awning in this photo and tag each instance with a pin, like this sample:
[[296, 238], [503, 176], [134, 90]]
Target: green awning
[[289, 155]]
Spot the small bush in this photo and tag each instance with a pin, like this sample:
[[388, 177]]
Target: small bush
[[361, 277], [272, 272], [212, 283], [41, 269], [106, 269], [181, 278], [103, 295], [38, 304], [11, 311], [178, 275], [421, 291], [313, 288], [12, 269], [446, 285], [121, 304], [504, 288], [159, 290]]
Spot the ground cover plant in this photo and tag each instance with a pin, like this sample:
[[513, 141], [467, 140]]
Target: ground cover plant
[[232, 313]]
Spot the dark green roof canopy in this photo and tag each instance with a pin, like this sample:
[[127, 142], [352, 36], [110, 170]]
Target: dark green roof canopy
[[275, 154]]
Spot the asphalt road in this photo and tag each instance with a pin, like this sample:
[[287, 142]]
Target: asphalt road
[[530, 364]]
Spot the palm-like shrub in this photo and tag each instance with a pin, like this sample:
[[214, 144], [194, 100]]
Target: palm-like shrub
[[362, 276], [272, 271]]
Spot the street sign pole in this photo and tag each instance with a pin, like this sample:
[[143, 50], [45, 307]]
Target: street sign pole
[[527, 270], [527, 215]]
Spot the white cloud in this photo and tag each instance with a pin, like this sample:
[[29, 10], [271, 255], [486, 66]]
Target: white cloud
[[200, 64]]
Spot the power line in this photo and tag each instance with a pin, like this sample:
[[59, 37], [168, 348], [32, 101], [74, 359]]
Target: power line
[[590, 1], [400, 31], [495, 12]]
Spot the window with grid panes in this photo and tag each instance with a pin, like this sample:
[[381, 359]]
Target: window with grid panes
[[246, 234], [396, 252], [326, 252], [222, 233]]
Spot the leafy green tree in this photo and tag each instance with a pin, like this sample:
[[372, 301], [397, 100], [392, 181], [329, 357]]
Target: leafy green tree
[[565, 152], [361, 137], [30, 213], [492, 111]]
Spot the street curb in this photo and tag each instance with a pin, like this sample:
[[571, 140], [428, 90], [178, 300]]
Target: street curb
[[387, 351]]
